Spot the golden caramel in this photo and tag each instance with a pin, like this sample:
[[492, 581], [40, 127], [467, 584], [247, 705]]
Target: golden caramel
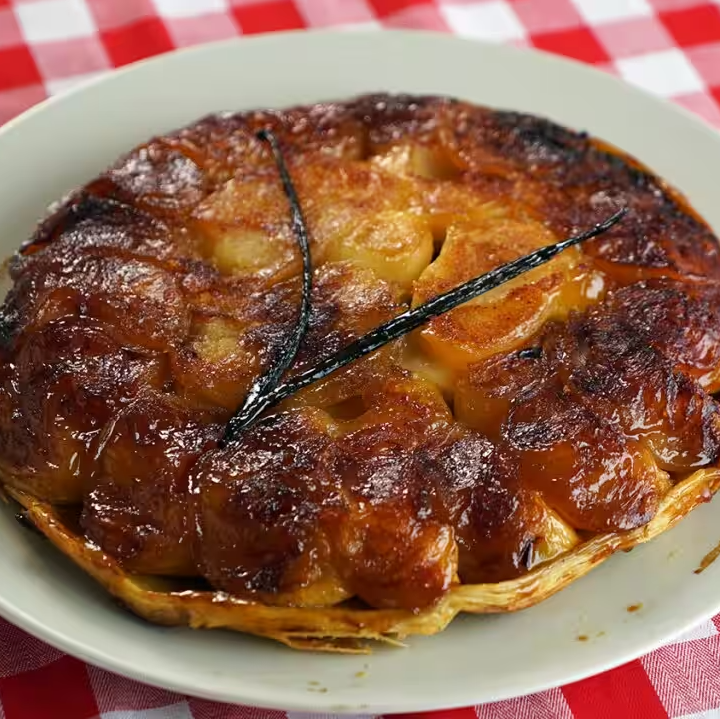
[[506, 437]]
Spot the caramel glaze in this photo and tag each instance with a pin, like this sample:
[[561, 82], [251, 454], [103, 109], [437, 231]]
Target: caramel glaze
[[147, 302]]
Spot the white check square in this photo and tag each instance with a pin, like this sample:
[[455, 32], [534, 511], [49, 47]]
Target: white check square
[[48, 20], [665, 73], [189, 8], [60, 85], [701, 631], [494, 21], [174, 711], [709, 714], [599, 11], [369, 26]]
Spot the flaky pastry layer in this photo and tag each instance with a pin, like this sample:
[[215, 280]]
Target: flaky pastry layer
[[352, 630]]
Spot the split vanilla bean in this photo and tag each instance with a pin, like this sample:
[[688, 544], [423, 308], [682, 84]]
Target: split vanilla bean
[[409, 321]]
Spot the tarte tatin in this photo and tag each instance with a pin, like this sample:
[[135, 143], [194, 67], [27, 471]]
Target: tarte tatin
[[479, 463]]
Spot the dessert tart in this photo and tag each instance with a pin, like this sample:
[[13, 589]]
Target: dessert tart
[[325, 375]]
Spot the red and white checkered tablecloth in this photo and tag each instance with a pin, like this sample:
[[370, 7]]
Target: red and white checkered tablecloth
[[670, 47]]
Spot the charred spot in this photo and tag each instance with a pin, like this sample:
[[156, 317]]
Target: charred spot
[[619, 167], [536, 131], [93, 207], [595, 383], [92, 216], [269, 341], [531, 140]]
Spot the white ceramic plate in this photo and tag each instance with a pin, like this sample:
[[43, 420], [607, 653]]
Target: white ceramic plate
[[478, 659]]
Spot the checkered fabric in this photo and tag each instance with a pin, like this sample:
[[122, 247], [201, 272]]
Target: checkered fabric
[[669, 47]]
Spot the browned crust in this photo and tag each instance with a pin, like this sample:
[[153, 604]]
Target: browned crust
[[557, 170], [349, 630]]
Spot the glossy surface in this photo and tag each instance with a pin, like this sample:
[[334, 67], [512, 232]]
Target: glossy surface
[[380, 496], [612, 133]]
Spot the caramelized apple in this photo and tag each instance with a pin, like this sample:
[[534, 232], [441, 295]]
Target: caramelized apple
[[621, 377], [586, 470], [484, 393], [503, 528], [395, 552], [137, 506], [64, 384], [679, 319], [244, 228], [503, 318], [263, 508]]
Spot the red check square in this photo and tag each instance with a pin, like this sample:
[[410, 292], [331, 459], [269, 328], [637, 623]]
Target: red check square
[[18, 68], [694, 26], [43, 693], [139, 40], [579, 43], [606, 695], [385, 8], [264, 17]]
